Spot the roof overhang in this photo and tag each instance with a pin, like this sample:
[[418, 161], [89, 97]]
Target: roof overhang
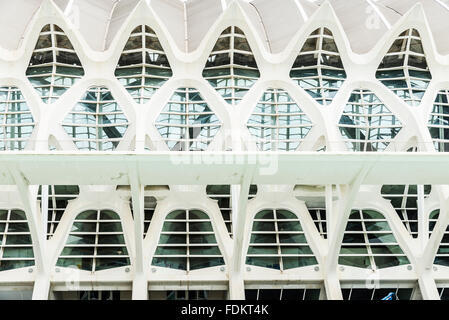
[[164, 168]]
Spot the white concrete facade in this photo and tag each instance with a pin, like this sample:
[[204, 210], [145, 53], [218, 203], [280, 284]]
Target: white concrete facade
[[181, 184]]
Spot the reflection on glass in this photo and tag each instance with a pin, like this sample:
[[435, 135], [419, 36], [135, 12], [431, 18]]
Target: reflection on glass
[[367, 124], [54, 66], [371, 246], [439, 122], [231, 67], [404, 68], [187, 123], [278, 242], [95, 242], [16, 121], [318, 69], [143, 66], [277, 122], [187, 242], [16, 247], [96, 122]]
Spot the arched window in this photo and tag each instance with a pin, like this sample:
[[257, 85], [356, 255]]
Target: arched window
[[367, 124], [97, 121], [231, 67], [369, 242], [278, 241], [187, 242], [16, 247], [439, 122], [404, 68], [187, 123], [404, 199], [95, 242], [278, 123], [318, 69], [16, 120], [54, 66], [143, 66]]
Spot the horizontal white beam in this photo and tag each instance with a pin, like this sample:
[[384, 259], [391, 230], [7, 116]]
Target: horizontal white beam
[[164, 168]]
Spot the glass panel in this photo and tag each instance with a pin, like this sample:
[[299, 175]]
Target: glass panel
[[366, 124], [94, 234], [16, 120], [318, 71], [231, 56], [406, 63], [195, 248], [187, 123], [272, 242], [277, 122], [374, 245], [96, 122], [54, 66], [143, 66]]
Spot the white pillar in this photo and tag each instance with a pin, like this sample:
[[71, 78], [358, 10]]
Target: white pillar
[[140, 284], [28, 195], [236, 281], [41, 289], [423, 219], [428, 286], [337, 229]]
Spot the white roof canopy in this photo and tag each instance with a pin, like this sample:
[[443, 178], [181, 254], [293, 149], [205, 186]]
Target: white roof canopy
[[276, 22]]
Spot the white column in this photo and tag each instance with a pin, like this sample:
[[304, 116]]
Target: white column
[[423, 219], [28, 195], [44, 209], [236, 281], [335, 238], [140, 284], [428, 287]]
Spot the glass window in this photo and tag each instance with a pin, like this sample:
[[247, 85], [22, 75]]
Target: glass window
[[57, 201], [16, 121], [439, 122], [404, 199], [54, 66], [187, 242], [404, 68], [187, 123], [368, 242], [150, 204], [143, 66], [278, 242], [16, 247], [95, 242], [282, 294], [222, 194], [318, 215], [96, 122], [367, 124], [376, 294], [277, 122], [318, 69], [188, 295], [231, 67]]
